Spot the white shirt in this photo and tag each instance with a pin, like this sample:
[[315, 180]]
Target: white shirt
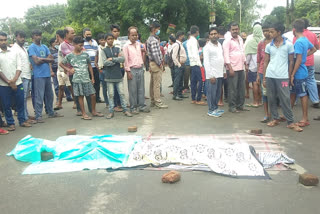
[[193, 52], [25, 63], [213, 60], [10, 62], [251, 60]]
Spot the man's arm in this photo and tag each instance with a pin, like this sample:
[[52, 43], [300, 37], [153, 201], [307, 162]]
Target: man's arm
[[265, 66], [291, 62], [312, 51], [126, 58], [296, 66], [91, 72]]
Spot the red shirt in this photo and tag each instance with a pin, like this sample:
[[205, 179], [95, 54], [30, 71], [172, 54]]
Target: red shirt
[[260, 55], [313, 40]]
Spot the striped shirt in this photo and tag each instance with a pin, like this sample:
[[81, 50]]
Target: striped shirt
[[153, 48], [91, 50]]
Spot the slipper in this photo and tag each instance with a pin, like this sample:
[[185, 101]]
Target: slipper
[[98, 114], [11, 128], [26, 125], [3, 132], [57, 108], [303, 124], [86, 118], [295, 127], [252, 105], [201, 103], [273, 123], [282, 119], [317, 118], [79, 114]]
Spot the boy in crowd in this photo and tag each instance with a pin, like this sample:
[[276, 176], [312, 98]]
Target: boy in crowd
[[278, 58], [260, 63], [11, 87], [99, 60], [113, 75], [195, 64], [299, 75], [133, 65], [156, 66], [179, 57], [224, 87], [82, 85], [40, 58], [213, 62]]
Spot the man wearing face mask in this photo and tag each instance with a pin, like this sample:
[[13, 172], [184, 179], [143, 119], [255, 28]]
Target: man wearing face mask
[[195, 64], [156, 65], [91, 48]]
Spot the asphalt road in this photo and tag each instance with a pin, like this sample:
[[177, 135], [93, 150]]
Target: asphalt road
[[134, 191]]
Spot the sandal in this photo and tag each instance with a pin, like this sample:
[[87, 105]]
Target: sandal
[[303, 123], [86, 118], [79, 114], [11, 128], [252, 105], [273, 123], [201, 103], [110, 115], [98, 114], [26, 125], [295, 127], [282, 119]]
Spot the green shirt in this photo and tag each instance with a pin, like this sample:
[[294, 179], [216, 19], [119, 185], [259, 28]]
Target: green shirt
[[80, 64]]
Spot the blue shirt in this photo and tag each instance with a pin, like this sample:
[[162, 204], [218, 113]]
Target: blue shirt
[[91, 50], [302, 46], [42, 51], [279, 59], [185, 47]]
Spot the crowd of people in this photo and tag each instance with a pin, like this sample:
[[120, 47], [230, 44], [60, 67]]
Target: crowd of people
[[215, 70]]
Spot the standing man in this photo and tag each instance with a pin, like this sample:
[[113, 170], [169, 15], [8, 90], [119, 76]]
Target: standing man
[[25, 69], [278, 67], [195, 64], [214, 65], [63, 77], [179, 57], [311, 84], [156, 65], [40, 58], [91, 48], [133, 65], [186, 75], [11, 86], [235, 59]]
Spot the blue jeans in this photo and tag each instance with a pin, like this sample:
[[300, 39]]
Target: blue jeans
[[178, 81], [119, 87], [104, 88], [6, 95], [26, 88], [311, 85], [213, 93], [196, 83], [43, 93]]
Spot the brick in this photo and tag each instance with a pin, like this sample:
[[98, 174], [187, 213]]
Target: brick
[[45, 156], [132, 128], [256, 131], [171, 177], [71, 132], [308, 179]]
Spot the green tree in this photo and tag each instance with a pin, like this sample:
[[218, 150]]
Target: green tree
[[47, 19], [305, 9], [11, 25], [277, 14]]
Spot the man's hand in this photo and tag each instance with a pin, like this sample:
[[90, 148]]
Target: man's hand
[[129, 75], [258, 79], [247, 67], [109, 59], [225, 75], [231, 72], [92, 81], [213, 80], [52, 74], [12, 84], [291, 80], [264, 82], [72, 71]]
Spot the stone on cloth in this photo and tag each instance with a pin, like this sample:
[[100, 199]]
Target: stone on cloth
[[171, 177]]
